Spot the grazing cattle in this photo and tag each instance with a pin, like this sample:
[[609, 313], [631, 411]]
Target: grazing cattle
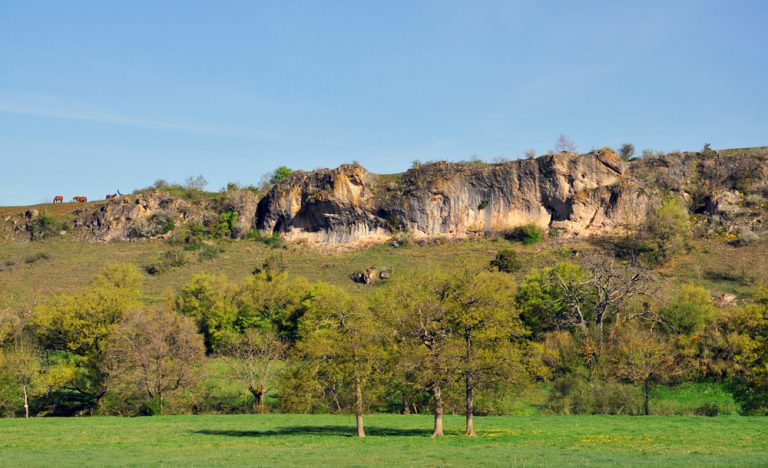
[[80, 199], [58, 199]]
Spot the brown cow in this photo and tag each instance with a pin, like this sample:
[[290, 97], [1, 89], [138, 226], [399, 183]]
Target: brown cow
[[80, 199], [58, 199]]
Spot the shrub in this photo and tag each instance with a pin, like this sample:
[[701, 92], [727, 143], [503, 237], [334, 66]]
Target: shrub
[[161, 223], [45, 226], [168, 261], [527, 234], [576, 394], [228, 224], [483, 205], [707, 409], [35, 258], [507, 261], [744, 237], [273, 240], [209, 252]]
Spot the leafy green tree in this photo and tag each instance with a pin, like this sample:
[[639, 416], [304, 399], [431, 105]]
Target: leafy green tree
[[689, 311], [670, 226], [555, 297], [482, 314], [416, 307], [340, 335], [74, 328], [279, 174], [210, 301], [271, 299]]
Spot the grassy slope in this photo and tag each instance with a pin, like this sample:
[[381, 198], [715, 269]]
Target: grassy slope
[[70, 265], [393, 440]]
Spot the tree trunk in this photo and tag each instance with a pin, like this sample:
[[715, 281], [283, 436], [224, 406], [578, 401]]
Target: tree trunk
[[646, 397], [468, 383], [26, 402], [470, 405], [438, 396], [258, 395], [359, 408]]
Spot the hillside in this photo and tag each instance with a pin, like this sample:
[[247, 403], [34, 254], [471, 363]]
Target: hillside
[[574, 196]]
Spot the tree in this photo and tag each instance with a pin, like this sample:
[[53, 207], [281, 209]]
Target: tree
[[196, 183], [642, 357], [565, 144], [482, 314], [415, 306], [627, 151], [279, 174], [270, 299], [210, 300], [689, 311], [73, 329], [569, 295], [342, 338], [156, 351], [670, 226], [530, 154], [555, 297], [21, 364], [254, 355]]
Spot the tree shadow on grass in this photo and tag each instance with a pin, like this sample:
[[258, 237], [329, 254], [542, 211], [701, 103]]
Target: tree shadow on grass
[[342, 431]]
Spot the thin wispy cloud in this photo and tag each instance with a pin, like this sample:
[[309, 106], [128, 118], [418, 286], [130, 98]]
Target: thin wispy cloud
[[35, 110], [52, 108]]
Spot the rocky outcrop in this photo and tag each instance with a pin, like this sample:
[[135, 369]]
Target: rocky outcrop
[[571, 195], [578, 195]]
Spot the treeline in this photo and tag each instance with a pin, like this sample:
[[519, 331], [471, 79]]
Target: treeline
[[461, 341]]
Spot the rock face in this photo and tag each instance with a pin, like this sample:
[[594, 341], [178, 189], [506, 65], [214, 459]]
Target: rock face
[[571, 195], [577, 195]]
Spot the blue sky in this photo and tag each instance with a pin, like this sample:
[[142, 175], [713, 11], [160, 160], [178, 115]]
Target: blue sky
[[106, 95]]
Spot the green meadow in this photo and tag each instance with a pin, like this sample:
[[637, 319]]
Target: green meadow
[[393, 440]]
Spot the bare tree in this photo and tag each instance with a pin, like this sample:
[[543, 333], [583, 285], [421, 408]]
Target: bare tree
[[196, 183], [530, 153], [254, 356], [156, 351], [599, 296], [565, 144]]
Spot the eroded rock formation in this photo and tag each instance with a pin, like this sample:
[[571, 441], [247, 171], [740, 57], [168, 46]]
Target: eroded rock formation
[[572, 195]]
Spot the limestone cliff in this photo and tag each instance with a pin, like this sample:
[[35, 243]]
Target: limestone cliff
[[575, 194], [571, 195]]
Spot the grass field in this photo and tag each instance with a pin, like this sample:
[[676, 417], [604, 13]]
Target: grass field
[[328, 440]]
